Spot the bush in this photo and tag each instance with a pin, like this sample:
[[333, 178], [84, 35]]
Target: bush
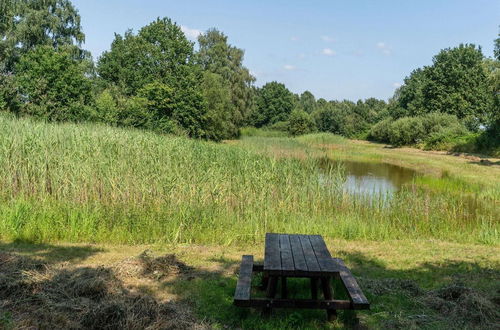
[[433, 131], [300, 122], [380, 131]]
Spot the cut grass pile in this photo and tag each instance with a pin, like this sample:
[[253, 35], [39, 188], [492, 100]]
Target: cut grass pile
[[91, 183], [37, 294]]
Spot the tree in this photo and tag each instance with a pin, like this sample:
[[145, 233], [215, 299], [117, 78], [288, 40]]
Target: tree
[[300, 122], [157, 64], [160, 51], [53, 84], [456, 83], [26, 24], [307, 102], [328, 118], [274, 104], [217, 56], [217, 96]]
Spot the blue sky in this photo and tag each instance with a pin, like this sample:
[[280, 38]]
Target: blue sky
[[336, 49]]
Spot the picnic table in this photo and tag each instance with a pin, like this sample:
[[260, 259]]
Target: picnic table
[[298, 256]]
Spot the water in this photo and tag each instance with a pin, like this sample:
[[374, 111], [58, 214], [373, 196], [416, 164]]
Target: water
[[369, 179]]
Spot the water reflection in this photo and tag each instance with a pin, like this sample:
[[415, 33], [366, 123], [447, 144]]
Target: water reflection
[[368, 179]]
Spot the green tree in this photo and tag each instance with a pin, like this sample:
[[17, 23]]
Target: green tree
[[53, 85], [274, 104], [456, 83], [157, 64], [328, 118], [159, 52], [26, 24], [307, 102], [300, 122], [216, 55], [219, 107]]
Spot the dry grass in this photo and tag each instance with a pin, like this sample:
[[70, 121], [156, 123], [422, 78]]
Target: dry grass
[[41, 295]]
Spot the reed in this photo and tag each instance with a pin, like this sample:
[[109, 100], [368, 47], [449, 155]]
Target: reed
[[93, 183]]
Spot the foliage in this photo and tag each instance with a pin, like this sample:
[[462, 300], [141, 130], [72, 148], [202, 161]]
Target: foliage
[[307, 102], [432, 130], [27, 24], [215, 55], [156, 65], [53, 84], [274, 103], [456, 84], [300, 122], [217, 96]]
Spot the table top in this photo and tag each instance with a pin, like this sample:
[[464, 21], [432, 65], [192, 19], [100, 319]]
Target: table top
[[298, 255]]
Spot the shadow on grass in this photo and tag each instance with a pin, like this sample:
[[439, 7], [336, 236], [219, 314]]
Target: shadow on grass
[[39, 289], [443, 295], [50, 253]]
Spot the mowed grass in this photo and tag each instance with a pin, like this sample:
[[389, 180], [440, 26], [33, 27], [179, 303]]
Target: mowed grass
[[411, 284], [92, 183]]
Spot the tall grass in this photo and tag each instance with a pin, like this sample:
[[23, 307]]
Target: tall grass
[[91, 183]]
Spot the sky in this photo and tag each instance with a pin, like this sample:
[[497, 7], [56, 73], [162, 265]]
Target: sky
[[335, 49]]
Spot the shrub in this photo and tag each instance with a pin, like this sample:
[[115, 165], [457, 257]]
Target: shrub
[[433, 131], [380, 131], [300, 122]]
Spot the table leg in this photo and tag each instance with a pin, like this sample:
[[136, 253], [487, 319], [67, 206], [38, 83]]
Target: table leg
[[265, 280], [284, 292], [314, 288], [272, 286], [328, 294]]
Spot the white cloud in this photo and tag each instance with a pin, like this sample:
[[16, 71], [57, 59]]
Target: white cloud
[[190, 33], [384, 48], [328, 52], [396, 85], [294, 38], [289, 67], [302, 56], [327, 38]]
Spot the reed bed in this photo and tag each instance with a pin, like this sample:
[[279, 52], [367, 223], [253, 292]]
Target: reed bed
[[93, 183]]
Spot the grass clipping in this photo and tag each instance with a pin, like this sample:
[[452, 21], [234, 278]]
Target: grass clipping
[[40, 295], [457, 304]]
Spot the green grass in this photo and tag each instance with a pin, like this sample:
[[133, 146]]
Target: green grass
[[92, 183]]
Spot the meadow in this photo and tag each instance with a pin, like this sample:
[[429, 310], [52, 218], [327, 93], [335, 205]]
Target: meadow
[[79, 202], [92, 183]]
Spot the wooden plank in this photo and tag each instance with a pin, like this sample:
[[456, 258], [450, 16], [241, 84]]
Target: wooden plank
[[297, 253], [272, 258], [286, 253], [296, 303], [351, 285], [322, 254], [309, 255], [244, 279]]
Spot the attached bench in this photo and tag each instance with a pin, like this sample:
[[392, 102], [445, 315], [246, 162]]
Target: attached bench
[[303, 256]]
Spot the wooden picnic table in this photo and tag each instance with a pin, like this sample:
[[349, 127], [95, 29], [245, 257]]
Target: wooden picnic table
[[303, 256]]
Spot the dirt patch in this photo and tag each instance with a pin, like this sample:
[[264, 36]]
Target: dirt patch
[[37, 295]]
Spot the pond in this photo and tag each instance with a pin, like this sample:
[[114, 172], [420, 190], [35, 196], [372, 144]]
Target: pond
[[368, 179]]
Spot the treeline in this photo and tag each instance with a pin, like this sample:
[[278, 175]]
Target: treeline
[[156, 79], [151, 79]]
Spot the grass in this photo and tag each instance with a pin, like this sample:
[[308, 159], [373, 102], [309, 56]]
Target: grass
[[405, 282], [78, 203], [91, 183]]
